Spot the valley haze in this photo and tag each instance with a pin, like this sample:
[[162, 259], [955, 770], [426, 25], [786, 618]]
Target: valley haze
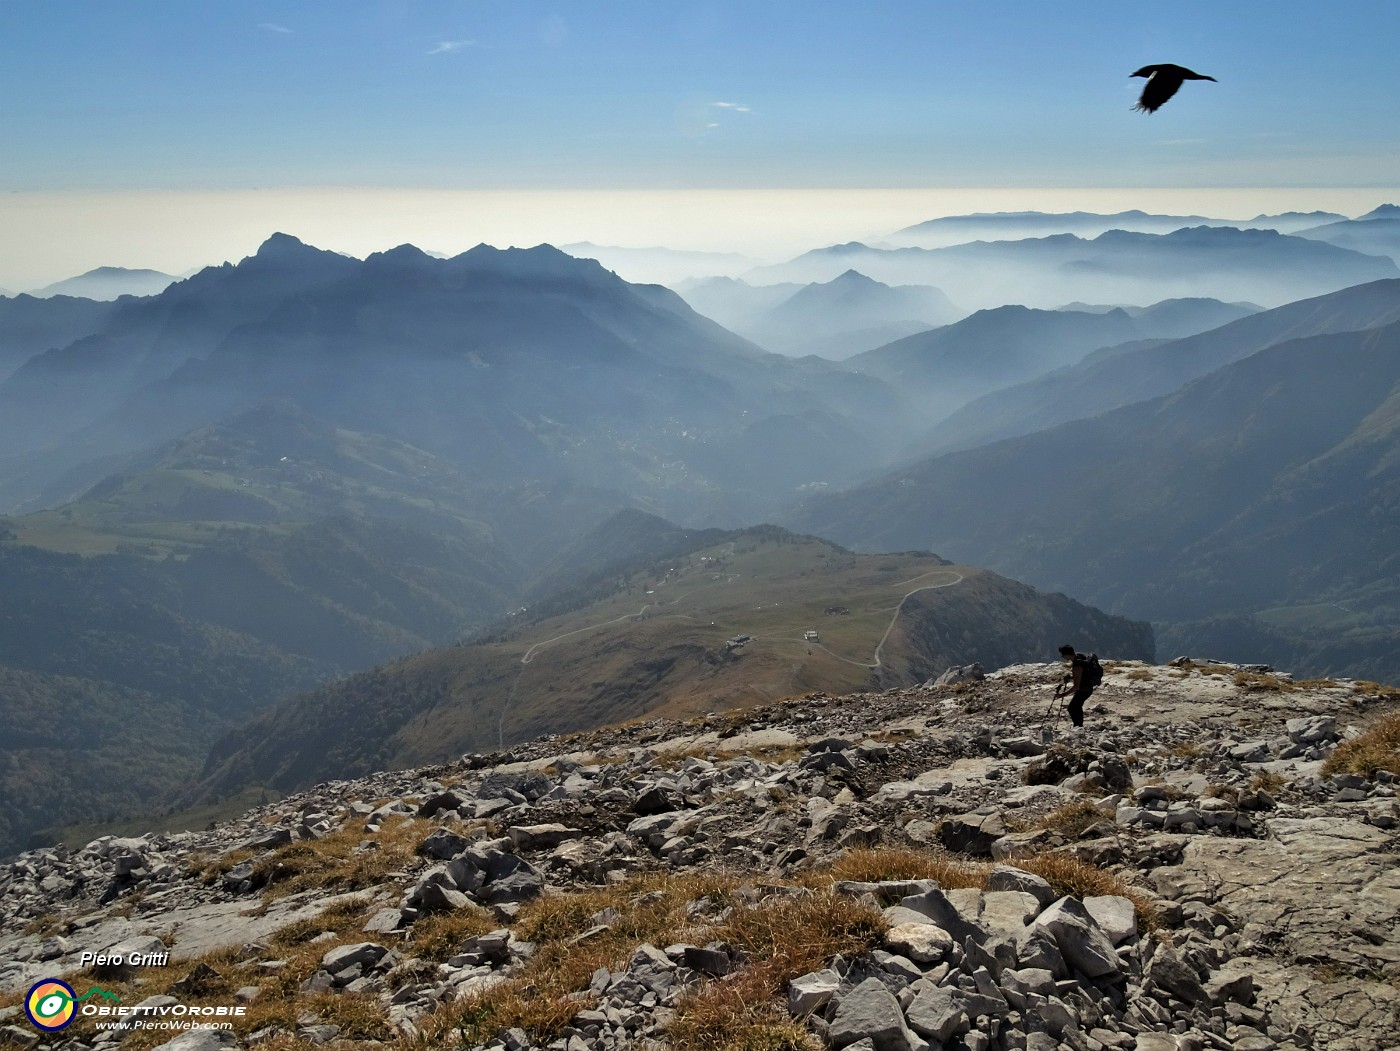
[[550, 526]]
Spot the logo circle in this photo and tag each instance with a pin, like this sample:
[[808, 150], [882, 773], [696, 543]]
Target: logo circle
[[50, 1004]]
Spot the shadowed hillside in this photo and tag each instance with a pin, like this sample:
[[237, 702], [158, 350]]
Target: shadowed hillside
[[721, 625]]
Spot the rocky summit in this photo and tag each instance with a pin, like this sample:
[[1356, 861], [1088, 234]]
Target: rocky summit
[[1211, 863]]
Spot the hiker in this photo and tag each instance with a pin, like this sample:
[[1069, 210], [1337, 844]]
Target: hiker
[[1085, 673]]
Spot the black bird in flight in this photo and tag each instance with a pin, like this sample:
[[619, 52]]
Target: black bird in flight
[[1162, 81]]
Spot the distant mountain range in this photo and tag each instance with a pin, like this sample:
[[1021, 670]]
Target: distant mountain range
[[1012, 226], [1115, 376], [993, 350], [303, 465], [1268, 484], [109, 282], [1259, 266], [516, 363], [29, 326], [1376, 233], [835, 319], [1175, 318]]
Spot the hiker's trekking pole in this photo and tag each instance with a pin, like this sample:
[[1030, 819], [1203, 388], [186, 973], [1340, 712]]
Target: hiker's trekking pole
[[1054, 701]]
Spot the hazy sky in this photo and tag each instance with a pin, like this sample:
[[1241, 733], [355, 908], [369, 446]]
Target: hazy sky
[[206, 97]]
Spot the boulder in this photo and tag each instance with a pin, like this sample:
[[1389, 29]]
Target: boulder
[[1170, 972], [1008, 910], [202, 1040], [870, 1012], [1312, 729], [961, 673], [1116, 916], [443, 845], [921, 942], [1083, 946], [972, 833], [358, 956], [540, 837], [1007, 877], [939, 908], [811, 992], [436, 804], [658, 800], [939, 1013]]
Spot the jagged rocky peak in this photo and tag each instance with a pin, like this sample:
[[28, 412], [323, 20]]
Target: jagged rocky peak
[[404, 255], [1209, 863], [283, 246]]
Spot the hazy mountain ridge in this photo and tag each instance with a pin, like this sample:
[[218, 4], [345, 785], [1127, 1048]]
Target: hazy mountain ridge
[[109, 282], [240, 563], [1268, 482], [29, 326], [1257, 265], [407, 448], [988, 350], [660, 265], [1007, 226], [1118, 376], [1376, 234], [1177, 318], [523, 363], [71, 388], [835, 319]]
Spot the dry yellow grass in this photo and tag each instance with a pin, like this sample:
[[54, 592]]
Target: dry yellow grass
[[348, 859], [800, 932], [1378, 690], [441, 935], [1377, 749], [1078, 879], [1266, 781], [739, 1014], [280, 1000], [873, 864], [785, 935], [545, 994], [1074, 819], [787, 931]]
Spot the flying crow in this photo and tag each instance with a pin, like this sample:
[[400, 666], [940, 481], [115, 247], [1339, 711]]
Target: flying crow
[[1162, 81]]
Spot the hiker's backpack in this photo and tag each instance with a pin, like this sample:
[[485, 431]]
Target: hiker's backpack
[[1093, 670]]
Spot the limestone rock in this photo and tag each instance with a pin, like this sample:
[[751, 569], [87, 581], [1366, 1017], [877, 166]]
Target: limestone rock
[[870, 1012]]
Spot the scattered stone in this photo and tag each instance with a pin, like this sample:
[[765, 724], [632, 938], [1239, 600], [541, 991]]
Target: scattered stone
[[1256, 892]]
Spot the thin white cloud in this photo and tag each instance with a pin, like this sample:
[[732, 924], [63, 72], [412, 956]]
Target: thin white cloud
[[446, 47], [697, 117], [273, 27]]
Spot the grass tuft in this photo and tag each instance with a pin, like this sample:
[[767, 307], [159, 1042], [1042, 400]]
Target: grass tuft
[[1375, 750], [875, 864], [739, 1014], [1074, 819], [347, 859], [441, 935], [1078, 879]]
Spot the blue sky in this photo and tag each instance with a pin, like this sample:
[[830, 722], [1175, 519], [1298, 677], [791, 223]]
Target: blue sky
[[171, 133], [518, 93]]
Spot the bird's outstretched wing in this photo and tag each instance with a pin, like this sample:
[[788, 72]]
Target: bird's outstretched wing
[[1160, 86], [1163, 80]]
